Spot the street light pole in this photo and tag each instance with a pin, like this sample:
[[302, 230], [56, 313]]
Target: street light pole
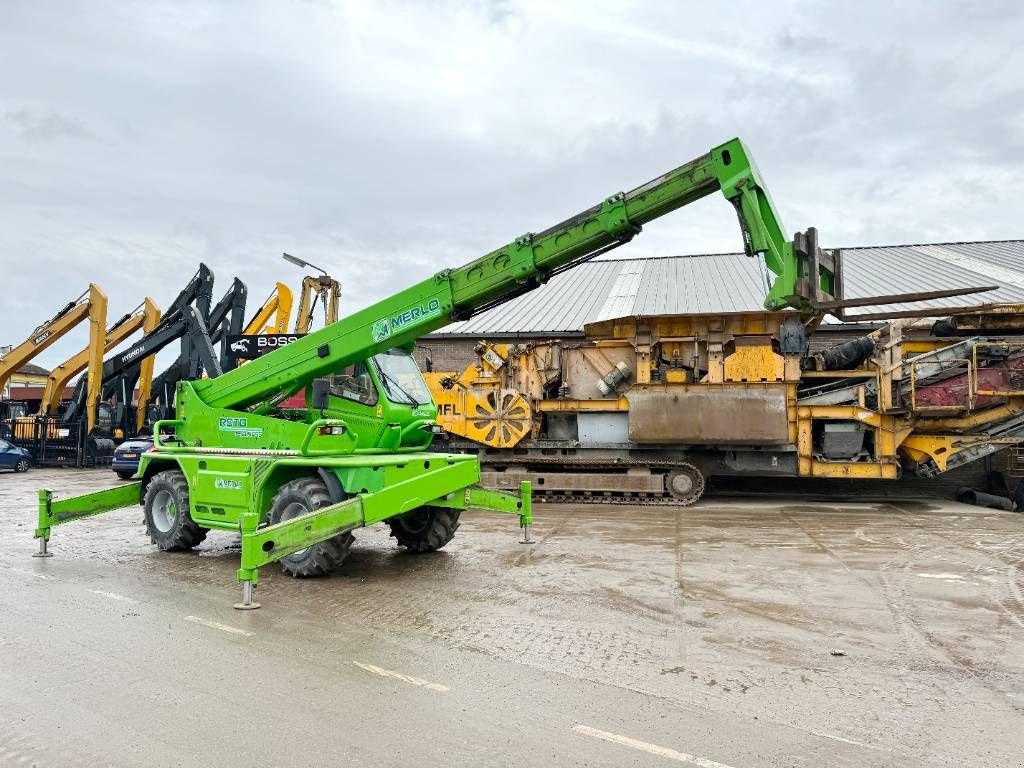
[[302, 264]]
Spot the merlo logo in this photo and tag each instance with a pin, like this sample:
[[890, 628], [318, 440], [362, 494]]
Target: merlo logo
[[380, 330]]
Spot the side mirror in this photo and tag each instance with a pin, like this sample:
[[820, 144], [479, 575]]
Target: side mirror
[[321, 391]]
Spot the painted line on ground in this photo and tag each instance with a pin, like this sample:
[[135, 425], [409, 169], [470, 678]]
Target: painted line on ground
[[217, 625], [114, 596], [643, 746], [403, 678], [840, 738]]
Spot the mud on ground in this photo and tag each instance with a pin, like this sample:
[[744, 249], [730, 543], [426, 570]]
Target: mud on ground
[[745, 633]]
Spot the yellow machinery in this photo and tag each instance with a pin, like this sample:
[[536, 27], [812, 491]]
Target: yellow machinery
[[91, 305], [145, 316], [279, 306], [489, 402], [648, 407], [323, 289]]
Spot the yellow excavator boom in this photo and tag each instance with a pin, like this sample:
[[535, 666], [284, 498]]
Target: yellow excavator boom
[[327, 290], [92, 305], [278, 306], [63, 373], [150, 320], [48, 333]]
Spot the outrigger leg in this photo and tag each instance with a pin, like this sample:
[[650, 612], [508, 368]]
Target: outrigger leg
[[247, 604], [53, 513], [526, 535], [42, 549]]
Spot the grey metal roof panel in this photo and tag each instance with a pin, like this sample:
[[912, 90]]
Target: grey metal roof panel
[[568, 301], [731, 282], [1006, 253], [903, 269], [719, 283]]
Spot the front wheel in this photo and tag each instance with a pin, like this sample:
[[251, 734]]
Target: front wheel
[[23, 465], [297, 498], [168, 521], [426, 529]]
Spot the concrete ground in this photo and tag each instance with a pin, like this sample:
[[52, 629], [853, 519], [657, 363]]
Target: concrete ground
[[738, 633]]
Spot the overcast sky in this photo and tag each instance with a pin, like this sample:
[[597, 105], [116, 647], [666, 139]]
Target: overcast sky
[[387, 140]]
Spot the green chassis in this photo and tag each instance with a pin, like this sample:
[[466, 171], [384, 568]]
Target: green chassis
[[233, 493]]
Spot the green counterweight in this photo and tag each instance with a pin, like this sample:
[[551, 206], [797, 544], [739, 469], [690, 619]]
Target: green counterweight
[[295, 483]]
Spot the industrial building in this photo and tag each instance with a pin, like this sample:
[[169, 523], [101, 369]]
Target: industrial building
[[612, 287]]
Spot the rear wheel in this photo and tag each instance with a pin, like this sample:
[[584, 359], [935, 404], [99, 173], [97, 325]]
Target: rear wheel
[[23, 465], [426, 529], [168, 520], [296, 498]]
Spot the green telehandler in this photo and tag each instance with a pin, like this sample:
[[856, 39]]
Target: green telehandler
[[297, 482]]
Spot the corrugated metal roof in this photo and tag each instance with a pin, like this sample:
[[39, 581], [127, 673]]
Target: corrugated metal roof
[[731, 282]]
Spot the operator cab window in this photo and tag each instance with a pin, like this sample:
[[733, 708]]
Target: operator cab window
[[401, 378], [353, 382]]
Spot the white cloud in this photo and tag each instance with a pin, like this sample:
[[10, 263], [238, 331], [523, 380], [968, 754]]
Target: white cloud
[[387, 140]]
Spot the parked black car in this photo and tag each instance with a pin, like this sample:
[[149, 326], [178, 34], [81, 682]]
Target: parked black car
[[126, 456], [13, 457]]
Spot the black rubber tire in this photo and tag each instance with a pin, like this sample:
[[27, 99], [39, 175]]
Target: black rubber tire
[[426, 529], [309, 493], [124, 475], [183, 533], [23, 465]]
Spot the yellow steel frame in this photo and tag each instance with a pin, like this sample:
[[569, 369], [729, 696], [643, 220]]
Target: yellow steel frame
[[940, 448], [586, 406], [1001, 345], [889, 432]]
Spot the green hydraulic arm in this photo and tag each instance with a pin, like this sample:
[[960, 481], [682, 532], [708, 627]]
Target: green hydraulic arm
[[528, 261]]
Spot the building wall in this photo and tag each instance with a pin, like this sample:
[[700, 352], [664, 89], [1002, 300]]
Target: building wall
[[449, 354], [20, 383]]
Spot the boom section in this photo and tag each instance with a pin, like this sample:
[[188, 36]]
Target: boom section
[[516, 268], [91, 304], [198, 291], [278, 306], [74, 365], [533, 258]]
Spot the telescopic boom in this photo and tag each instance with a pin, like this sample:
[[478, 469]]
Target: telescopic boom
[[528, 261]]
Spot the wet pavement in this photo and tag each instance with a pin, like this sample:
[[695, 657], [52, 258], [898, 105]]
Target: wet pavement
[[739, 633]]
